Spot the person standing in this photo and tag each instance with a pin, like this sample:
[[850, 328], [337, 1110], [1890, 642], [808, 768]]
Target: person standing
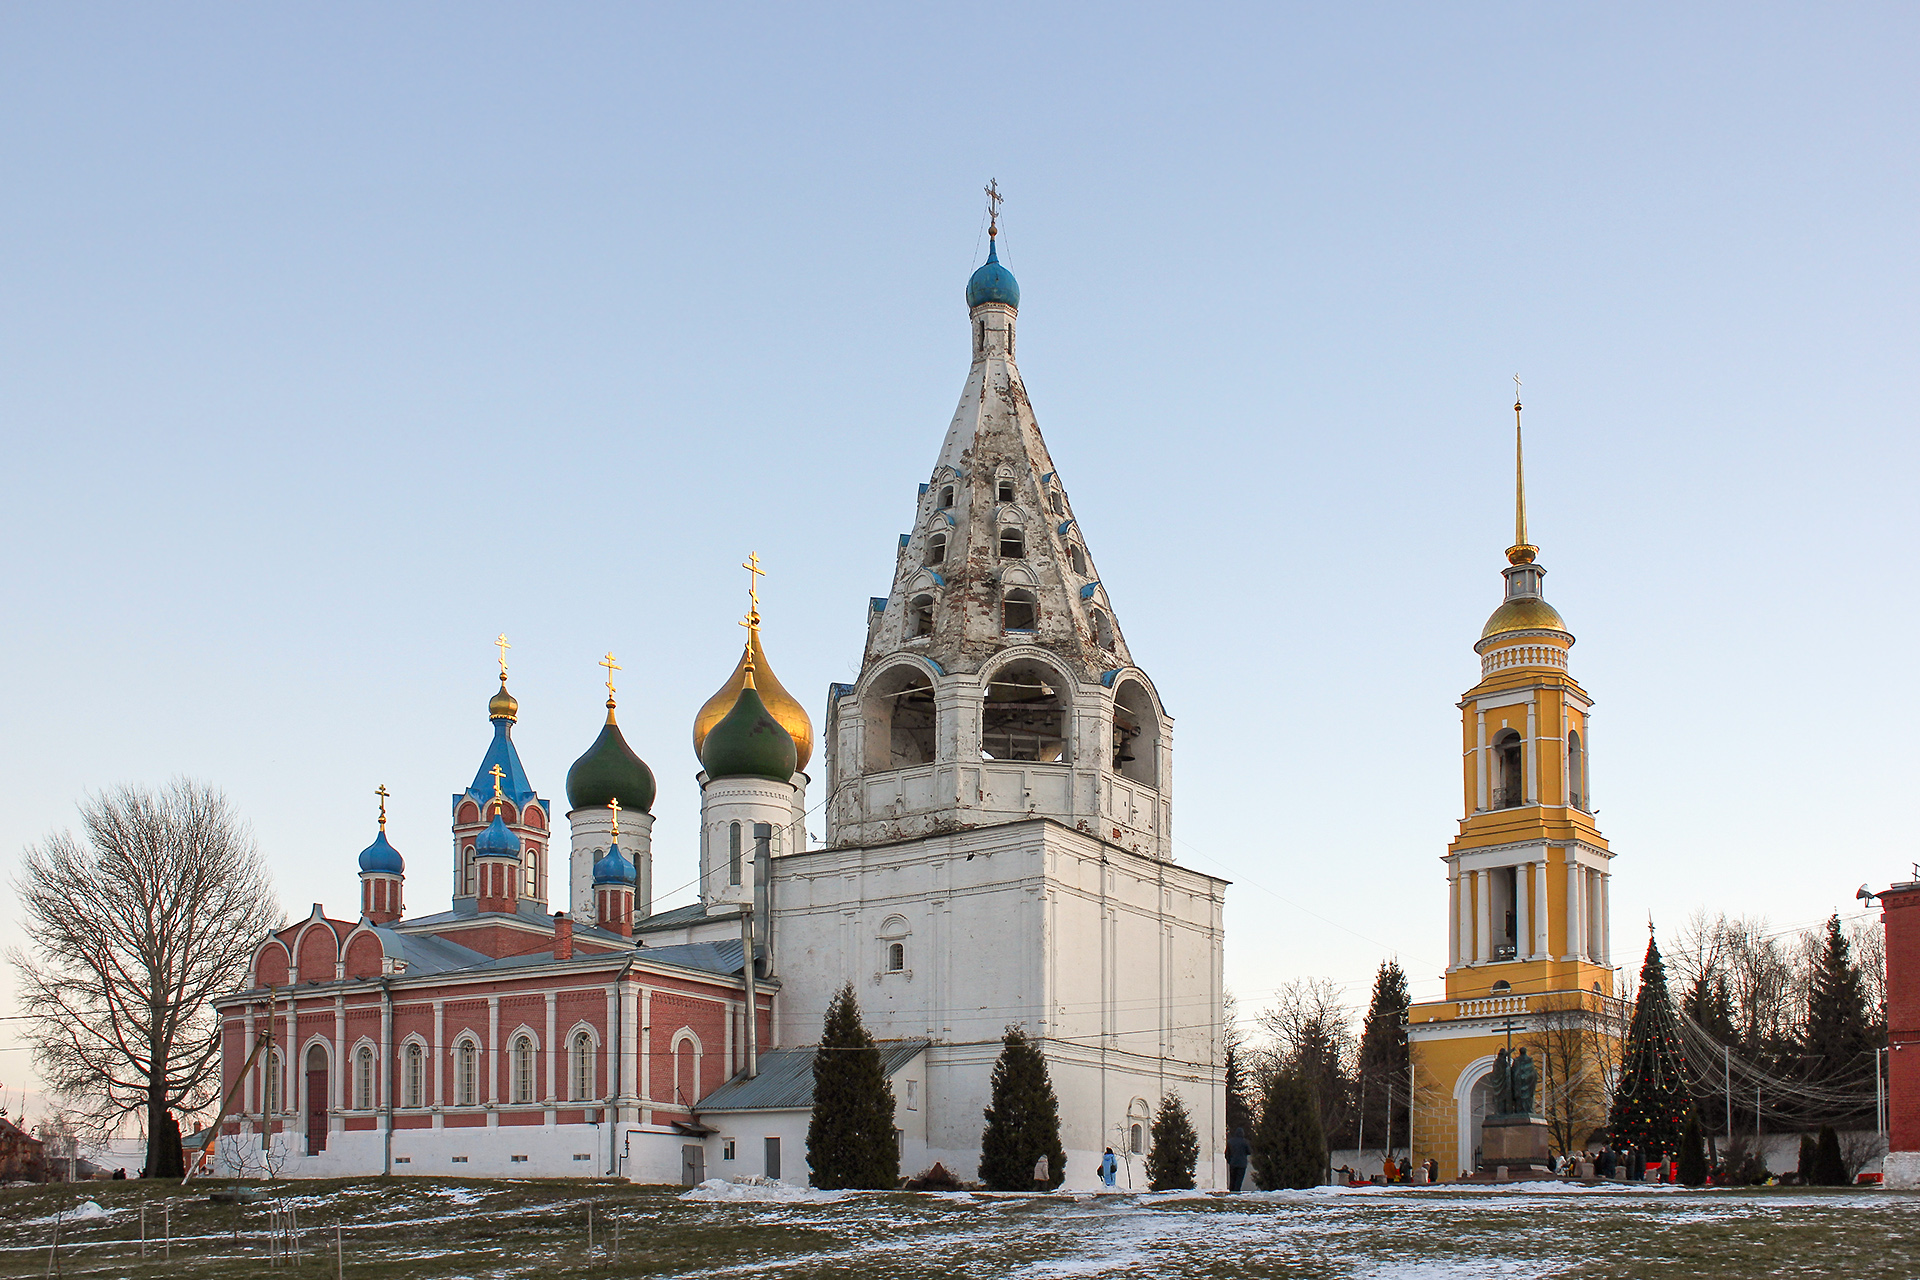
[[1109, 1168], [1040, 1174], [1239, 1152]]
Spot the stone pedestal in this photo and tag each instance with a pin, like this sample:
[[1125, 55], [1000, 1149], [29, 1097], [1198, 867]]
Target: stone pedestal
[[1515, 1142]]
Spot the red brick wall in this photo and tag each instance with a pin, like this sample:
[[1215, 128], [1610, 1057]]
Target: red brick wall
[[1900, 910]]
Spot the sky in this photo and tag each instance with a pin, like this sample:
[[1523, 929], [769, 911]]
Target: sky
[[336, 340]]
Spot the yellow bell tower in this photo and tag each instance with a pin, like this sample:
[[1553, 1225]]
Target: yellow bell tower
[[1527, 880]]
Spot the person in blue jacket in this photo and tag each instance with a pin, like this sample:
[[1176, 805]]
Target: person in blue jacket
[[1109, 1168]]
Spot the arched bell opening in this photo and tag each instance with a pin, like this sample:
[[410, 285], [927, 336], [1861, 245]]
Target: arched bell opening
[[1025, 715], [1136, 734], [900, 720], [1509, 772]]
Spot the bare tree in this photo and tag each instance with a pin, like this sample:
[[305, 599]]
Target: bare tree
[[1868, 941], [1312, 1033], [1579, 1047], [130, 934]]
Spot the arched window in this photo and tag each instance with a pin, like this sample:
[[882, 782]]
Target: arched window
[[1502, 987], [274, 1090], [1058, 502], [1509, 772], [416, 1091], [1576, 771], [1004, 490], [686, 1071], [1139, 1117], [1020, 610], [1013, 544], [920, 616], [896, 957], [1136, 734], [1024, 716], [946, 496], [363, 1078], [733, 853], [469, 877], [937, 549], [533, 871], [523, 1069], [1102, 629], [900, 720], [466, 1074], [582, 1066], [1077, 558]]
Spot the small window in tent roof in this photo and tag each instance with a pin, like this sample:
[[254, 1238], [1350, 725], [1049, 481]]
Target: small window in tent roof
[[946, 496], [1004, 490], [1058, 502]]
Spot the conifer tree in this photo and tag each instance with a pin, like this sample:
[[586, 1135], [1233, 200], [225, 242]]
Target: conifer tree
[[1176, 1148], [1239, 1110], [1023, 1123], [1693, 1153], [1289, 1146], [850, 1138], [1838, 1027], [1650, 1103], [1383, 1057], [1809, 1157], [1829, 1170]]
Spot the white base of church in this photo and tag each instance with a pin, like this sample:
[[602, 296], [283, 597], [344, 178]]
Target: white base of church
[[640, 1153], [1902, 1171]]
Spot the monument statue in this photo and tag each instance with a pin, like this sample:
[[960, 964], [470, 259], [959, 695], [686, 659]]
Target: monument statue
[[1499, 1086], [1522, 1077]]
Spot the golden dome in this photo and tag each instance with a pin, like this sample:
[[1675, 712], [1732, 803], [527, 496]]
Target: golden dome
[[781, 704], [503, 705], [1525, 613]]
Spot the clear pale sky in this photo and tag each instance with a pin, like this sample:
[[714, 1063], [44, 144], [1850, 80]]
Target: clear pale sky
[[335, 340]]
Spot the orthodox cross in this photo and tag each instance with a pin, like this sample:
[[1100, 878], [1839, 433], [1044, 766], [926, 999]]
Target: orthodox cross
[[502, 645], [614, 804], [1509, 1028], [499, 797], [611, 667], [382, 792], [1516, 390], [994, 199], [754, 573]]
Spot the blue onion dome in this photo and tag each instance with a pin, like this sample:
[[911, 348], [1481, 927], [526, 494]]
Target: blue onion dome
[[610, 771], [613, 868], [749, 743], [993, 282], [496, 841], [381, 856]]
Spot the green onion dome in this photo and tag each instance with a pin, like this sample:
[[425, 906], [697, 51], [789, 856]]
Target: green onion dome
[[610, 771], [749, 743]]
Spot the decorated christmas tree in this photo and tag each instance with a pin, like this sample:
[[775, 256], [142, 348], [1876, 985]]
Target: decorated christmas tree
[[1650, 1104]]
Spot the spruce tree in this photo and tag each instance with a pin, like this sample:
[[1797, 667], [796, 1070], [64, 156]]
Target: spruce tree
[[1239, 1109], [1650, 1103], [850, 1138], [1809, 1157], [1289, 1146], [1839, 1032], [1383, 1057], [1176, 1148], [1023, 1123], [1693, 1153], [1829, 1170]]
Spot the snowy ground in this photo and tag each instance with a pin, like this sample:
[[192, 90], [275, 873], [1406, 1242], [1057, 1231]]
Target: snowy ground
[[430, 1228]]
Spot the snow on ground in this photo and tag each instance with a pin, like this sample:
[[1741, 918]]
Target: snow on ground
[[758, 1191], [79, 1213]]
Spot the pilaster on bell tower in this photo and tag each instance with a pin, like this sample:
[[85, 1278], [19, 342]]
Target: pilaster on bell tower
[[996, 685], [1528, 879]]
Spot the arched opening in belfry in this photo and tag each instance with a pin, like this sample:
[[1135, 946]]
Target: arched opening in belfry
[[1013, 544], [1102, 630], [920, 616], [937, 549], [1078, 559], [900, 720], [1004, 490], [1509, 771], [1576, 770], [1136, 734], [946, 496], [1019, 610], [1025, 715], [1504, 909]]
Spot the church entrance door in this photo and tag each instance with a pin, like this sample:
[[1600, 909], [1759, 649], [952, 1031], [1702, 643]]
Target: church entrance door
[[693, 1164], [316, 1100]]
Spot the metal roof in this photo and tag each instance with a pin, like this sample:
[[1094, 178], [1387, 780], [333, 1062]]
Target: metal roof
[[785, 1082]]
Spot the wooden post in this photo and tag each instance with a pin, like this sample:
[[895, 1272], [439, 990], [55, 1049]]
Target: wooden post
[[339, 1254], [167, 1213], [143, 1228], [53, 1253]]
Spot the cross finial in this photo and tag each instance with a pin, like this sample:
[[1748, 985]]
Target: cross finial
[[754, 573], [499, 796], [614, 804], [382, 792], [501, 644], [611, 667], [1516, 391], [994, 199]]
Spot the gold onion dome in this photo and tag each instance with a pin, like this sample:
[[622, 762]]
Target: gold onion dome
[[503, 705], [749, 742], [1524, 613], [780, 704]]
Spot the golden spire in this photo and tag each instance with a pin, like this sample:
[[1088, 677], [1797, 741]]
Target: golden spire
[[382, 792], [614, 804], [1522, 551], [993, 207], [752, 624], [611, 667]]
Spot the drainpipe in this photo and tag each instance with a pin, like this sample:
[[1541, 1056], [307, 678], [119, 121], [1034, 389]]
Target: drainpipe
[[386, 1071], [613, 1073], [753, 995]]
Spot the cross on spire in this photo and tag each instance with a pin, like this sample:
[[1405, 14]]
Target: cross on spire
[[614, 804], [754, 573], [994, 199], [499, 796], [501, 644], [382, 792], [611, 667]]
